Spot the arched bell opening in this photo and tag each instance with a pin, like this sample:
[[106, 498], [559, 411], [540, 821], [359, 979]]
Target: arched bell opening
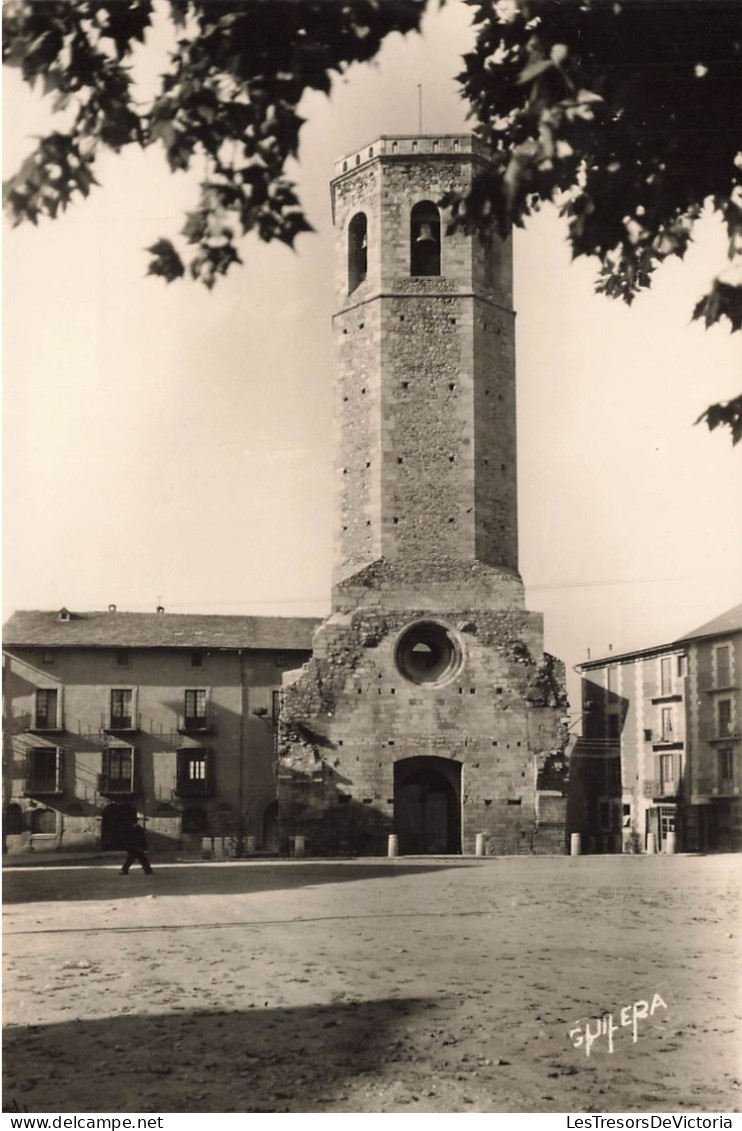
[[425, 239], [357, 251]]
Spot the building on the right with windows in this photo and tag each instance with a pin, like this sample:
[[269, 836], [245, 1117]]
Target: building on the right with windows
[[658, 764], [713, 814]]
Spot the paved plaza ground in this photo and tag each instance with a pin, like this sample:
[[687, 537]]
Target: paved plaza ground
[[374, 986]]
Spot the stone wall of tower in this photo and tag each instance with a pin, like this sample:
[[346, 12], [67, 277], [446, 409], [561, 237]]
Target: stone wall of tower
[[357, 441], [428, 421], [425, 418], [495, 445]]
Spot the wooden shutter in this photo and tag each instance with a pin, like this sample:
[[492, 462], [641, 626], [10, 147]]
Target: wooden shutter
[[180, 769], [59, 779]]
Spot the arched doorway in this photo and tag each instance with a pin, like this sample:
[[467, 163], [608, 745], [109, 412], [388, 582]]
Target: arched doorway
[[427, 805], [116, 824], [13, 820], [194, 821]]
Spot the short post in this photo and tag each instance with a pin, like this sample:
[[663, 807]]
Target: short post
[[575, 845], [298, 846], [479, 847], [670, 844], [249, 846], [651, 844], [393, 845]]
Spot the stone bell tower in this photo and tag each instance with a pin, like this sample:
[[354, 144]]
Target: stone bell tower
[[428, 708]]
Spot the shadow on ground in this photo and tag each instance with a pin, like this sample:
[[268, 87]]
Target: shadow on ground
[[266, 1060], [37, 885]]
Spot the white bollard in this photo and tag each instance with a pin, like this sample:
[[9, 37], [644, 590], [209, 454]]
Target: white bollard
[[575, 845], [670, 844], [651, 844], [479, 849], [298, 846], [393, 847]]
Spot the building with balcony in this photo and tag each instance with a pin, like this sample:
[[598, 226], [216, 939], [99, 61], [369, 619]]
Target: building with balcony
[[171, 716], [660, 745]]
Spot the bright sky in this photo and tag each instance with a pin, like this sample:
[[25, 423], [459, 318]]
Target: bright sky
[[166, 444]]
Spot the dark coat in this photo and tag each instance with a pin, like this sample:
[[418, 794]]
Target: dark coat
[[136, 840]]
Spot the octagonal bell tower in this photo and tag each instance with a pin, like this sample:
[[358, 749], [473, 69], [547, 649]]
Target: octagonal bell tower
[[425, 440], [428, 709]]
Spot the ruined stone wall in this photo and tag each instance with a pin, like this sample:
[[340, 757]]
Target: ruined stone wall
[[350, 715]]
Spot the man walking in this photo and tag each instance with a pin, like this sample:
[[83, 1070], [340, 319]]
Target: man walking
[[136, 849]]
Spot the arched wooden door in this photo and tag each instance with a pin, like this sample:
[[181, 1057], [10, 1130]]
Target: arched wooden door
[[427, 806]]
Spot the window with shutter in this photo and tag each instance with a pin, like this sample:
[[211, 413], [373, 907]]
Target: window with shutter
[[44, 770], [724, 717], [722, 657], [118, 770], [669, 773], [122, 709], [195, 775], [666, 675], [46, 716], [725, 758]]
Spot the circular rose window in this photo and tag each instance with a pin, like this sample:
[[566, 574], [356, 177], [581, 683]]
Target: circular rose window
[[428, 653]]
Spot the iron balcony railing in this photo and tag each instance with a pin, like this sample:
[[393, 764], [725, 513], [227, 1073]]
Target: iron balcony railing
[[195, 724], [113, 723], [721, 732], [110, 785]]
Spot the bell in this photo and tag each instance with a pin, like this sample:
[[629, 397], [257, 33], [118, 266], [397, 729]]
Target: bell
[[425, 235], [364, 242]]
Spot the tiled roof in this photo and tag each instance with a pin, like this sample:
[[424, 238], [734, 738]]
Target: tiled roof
[[157, 630], [730, 621], [621, 657]]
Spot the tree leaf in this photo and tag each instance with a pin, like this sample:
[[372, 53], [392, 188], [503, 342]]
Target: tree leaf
[[165, 261]]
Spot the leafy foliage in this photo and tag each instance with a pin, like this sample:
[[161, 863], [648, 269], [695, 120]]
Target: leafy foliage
[[228, 98], [625, 113]]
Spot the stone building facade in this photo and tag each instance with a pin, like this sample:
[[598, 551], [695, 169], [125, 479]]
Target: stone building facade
[[171, 716], [428, 708], [660, 749]]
